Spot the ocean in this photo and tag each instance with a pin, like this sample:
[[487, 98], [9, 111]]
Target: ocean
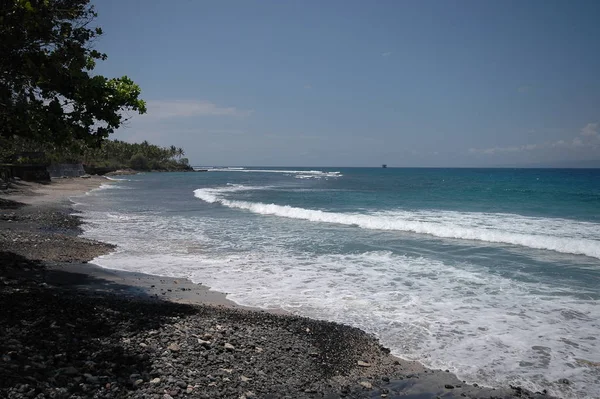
[[493, 274]]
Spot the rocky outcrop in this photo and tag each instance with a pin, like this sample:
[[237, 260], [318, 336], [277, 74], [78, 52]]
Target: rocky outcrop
[[29, 172]]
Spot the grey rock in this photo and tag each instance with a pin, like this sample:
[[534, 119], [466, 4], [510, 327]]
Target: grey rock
[[174, 347]]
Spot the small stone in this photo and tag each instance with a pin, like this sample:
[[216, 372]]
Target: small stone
[[564, 381], [203, 342], [250, 394], [245, 379], [91, 379], [449, 386], [167, 396], [174, 347], [155, 381], [189, 389], [181, 384], [228, 346], [228, 370], [70, 371], [143, 345], [363, 364], [366, 384], [138, 382]]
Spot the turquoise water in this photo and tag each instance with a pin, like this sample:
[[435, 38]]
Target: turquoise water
[[491, 273]]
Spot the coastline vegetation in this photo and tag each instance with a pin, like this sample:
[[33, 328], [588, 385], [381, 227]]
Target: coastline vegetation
[[53, 107], [110, 155]]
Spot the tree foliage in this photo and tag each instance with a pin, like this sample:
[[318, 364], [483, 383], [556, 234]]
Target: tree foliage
[[117, 154], [48, 92], [138, 162], [111, 154]]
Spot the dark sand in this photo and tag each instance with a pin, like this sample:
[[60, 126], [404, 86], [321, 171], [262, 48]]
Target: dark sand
[[70, 329]]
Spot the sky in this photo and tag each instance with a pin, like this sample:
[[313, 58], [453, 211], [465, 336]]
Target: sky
[[360, 83]]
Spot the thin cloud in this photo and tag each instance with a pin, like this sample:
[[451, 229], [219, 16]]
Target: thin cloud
[[307, 87], [163, 109], [589, 137], [386, 54], [590, 130]]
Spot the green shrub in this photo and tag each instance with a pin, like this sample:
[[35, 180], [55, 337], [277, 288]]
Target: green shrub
[[138, 162]]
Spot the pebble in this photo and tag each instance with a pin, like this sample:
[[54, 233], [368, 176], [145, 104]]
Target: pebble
[[174, 347], [228, 346], [364, 364]]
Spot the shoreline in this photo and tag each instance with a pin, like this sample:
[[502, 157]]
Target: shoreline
[[44, 257]]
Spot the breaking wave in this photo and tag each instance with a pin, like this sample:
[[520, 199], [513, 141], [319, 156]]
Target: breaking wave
[[560, 235]]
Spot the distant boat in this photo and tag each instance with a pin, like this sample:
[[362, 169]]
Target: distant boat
[[384, 166]]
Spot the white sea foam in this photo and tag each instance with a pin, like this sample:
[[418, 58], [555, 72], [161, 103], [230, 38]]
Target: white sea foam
[[560, 235], [116, 179], [453, 315], [104, 186], [487, 328], [304, 173]]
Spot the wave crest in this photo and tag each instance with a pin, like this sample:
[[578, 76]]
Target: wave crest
[[567, 236]]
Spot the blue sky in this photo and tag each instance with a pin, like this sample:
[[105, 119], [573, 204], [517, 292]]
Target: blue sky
[[360, 83]]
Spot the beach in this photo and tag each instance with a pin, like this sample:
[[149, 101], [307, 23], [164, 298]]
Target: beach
[[70, 328]]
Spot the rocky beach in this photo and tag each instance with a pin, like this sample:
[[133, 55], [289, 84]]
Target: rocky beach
[[70, 329]]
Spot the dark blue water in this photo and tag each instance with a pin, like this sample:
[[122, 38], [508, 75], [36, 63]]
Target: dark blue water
[[492, 273]]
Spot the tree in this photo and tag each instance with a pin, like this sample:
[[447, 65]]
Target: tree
[[138, 162], [48, 92]]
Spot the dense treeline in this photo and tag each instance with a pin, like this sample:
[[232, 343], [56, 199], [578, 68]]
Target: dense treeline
[[115, 154], [110, 155]]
